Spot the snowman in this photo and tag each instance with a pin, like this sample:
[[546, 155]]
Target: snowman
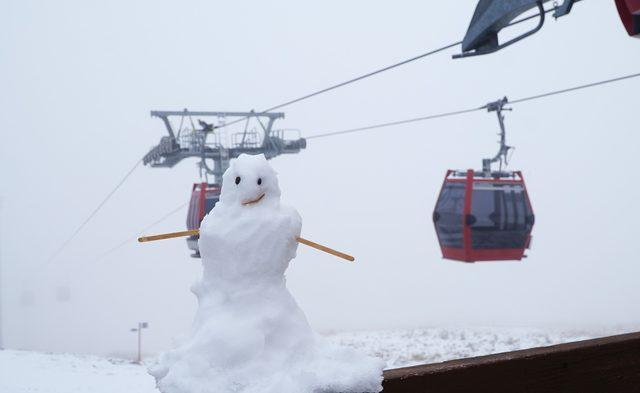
[[249, 335]]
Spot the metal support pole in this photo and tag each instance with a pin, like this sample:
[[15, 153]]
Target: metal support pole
[[141, 325], [501, 156], [139, 342]]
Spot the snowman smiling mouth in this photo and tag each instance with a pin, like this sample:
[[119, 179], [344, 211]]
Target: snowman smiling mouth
[[252, 201]]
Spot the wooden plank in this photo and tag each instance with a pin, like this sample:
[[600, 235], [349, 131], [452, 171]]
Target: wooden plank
[[609, 364]]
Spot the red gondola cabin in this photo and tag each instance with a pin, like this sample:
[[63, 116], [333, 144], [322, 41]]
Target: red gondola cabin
[[480, 218], [204, 197]]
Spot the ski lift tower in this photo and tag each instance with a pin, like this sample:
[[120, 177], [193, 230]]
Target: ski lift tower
[[215, 146], [209, 141]]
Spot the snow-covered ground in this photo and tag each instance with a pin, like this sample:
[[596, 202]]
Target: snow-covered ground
[[34, 372], [408, 347]]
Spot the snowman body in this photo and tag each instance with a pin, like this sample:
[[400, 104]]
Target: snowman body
[[249, 335]]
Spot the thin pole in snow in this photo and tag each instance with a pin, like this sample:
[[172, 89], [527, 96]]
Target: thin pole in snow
[[139, 342], [141, 325]]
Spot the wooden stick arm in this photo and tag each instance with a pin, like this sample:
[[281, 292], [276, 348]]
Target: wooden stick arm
[[195, 232], [325, 249]]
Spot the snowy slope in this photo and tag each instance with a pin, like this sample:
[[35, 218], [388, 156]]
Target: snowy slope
[[400, 348], [33, 372]]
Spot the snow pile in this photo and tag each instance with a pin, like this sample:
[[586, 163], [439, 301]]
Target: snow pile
[[249, 335]]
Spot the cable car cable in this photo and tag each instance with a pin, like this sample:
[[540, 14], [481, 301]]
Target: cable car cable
[[350, 81], [93, 213], [552, 93], [359, 78], [143, 230], [463, 111], [395, 123], [376, 72]]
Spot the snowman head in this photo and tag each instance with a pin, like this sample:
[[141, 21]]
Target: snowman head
[[250, 181]]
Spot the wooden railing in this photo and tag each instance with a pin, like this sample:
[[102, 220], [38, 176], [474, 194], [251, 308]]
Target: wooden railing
[[609, 364]]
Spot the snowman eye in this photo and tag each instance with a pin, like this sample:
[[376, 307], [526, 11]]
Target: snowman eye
[[259, 181], [238, 180]]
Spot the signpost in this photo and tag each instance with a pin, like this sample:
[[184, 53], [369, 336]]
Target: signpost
[[141, 325]]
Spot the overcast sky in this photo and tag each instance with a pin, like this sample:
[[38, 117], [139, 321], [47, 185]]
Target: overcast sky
[[79, 79]]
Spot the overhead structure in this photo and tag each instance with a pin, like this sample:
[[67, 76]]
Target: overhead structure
[[491, 16], [214, 148], [207, 142], [629, 11], [485, 215]]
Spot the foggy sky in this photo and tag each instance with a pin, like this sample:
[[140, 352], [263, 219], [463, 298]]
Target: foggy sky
[[79, 79]]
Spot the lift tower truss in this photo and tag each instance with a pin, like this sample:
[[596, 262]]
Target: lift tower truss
[[210, 142]]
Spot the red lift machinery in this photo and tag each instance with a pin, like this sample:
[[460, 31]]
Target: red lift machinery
[[485, 215]]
